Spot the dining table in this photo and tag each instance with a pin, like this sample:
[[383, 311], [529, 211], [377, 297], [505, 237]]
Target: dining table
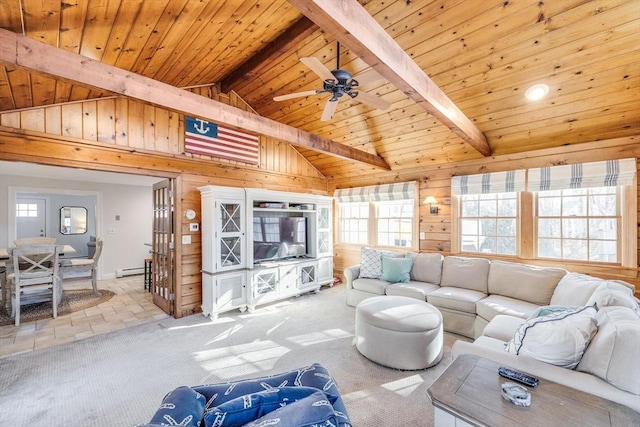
[[4, 259]]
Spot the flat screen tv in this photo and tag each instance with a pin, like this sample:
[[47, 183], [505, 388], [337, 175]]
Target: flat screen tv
[[279, 237]]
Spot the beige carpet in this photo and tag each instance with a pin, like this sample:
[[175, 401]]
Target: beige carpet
[[119, 378], [72, 301]]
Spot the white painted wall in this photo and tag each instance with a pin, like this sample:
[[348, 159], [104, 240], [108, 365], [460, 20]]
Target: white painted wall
[[124, 247]]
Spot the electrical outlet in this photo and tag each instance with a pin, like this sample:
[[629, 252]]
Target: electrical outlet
[[111, 231], [194, 226], [423, 235]]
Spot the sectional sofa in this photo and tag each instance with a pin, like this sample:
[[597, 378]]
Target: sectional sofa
[[574, 329]]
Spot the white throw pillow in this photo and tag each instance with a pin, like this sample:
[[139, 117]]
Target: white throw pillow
[[575, 289], [613, 353], [611, 293], [559, 338]]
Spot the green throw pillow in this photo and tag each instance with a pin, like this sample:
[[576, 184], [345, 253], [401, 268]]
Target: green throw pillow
[[396, 270]]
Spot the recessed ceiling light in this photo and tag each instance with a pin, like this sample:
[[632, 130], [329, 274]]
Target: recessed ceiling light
[[536, 92]]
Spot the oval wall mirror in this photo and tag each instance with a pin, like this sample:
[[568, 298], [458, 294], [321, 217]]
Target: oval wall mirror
[[73, 220]]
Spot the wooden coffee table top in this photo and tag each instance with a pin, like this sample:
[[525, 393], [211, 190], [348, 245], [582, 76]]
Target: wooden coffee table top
[[470, 389]]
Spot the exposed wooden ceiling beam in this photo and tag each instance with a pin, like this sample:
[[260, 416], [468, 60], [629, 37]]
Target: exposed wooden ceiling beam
[[353, 26], [21, 51], [285, 41]]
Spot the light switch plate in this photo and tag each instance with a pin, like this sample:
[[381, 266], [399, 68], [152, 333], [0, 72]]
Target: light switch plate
[[423, 235], [186, 239], [194, 226]]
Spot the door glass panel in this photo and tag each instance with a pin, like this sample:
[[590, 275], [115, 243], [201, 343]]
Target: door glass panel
[[265, 283], [323, 218], [308, 274], [230, 217], [323, 241], [230, 251]]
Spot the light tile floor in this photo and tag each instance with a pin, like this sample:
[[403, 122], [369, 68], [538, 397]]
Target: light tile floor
[[131, 305]]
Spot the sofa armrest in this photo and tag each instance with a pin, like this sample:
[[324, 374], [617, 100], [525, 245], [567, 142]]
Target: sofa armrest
[[493, 349], [351, 274]]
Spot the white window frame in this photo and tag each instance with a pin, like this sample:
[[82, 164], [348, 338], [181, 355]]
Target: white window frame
[[373, 196], [527, 235], [494, 197], [587, 238]]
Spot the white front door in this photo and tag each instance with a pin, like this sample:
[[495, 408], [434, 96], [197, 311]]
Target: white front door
[[31, 218]]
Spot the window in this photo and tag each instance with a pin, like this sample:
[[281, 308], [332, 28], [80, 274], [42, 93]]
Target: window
[[579, 212], [354, 223], [580, 224], [488, 223], [29, 210], [395, 223], [381, 215], [488, 215]]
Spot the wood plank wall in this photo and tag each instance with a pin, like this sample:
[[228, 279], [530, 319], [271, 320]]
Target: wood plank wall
[[122, 135], [436, 181]]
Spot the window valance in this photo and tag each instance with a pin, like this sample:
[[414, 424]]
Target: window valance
[[609, 173], [376, 193], [494, 182]]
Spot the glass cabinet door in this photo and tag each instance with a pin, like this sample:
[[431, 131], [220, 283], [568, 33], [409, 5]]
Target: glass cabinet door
[[230, 238], [324, 245]]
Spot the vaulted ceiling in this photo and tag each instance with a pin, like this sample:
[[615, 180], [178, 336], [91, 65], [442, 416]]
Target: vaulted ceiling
[[480, 55]]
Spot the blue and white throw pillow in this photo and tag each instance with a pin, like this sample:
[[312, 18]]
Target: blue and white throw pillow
[[371, 262], [312, 411], [183, 406], [250, 407]]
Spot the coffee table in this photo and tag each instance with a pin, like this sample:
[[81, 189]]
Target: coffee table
[[468, 393]]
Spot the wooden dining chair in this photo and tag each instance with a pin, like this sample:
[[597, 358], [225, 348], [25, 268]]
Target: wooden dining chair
[[34, 277], [28, 241], [81, 265]]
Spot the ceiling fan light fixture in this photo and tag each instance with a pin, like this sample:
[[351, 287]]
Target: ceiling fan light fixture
[[536, 92]]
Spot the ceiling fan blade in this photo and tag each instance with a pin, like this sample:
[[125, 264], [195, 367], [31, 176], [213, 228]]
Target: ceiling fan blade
[[315, 65], [329, 109], [368, 77], [372, 100], [294, 95]]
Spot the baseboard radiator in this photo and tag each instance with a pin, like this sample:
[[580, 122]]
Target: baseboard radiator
[[121, 272]]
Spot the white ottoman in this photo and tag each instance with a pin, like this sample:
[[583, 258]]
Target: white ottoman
[[399, 332]]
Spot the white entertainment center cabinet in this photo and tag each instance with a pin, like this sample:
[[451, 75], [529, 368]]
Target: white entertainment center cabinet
[[245, 259]]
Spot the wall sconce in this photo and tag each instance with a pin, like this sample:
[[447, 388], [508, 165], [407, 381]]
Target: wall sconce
[[432, 202]]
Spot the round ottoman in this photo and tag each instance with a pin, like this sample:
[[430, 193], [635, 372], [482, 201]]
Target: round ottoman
[[399, 332]]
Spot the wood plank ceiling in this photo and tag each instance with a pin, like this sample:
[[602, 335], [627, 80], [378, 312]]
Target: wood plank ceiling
[[482, 54]]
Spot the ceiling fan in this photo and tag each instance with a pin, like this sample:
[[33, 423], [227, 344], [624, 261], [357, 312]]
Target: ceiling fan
[[338, 83]]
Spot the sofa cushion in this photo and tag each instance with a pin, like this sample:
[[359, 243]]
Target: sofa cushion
[[371, 262], [182, 405], [574, 289], [613, 352], [250, 407], [312, 411], [455, 299], [524, 282], [559, 338], [426, 267], [418, 290], [494, 305], [503, 327], [610, 293], [373, 286], [396, 270], [467, 273]]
